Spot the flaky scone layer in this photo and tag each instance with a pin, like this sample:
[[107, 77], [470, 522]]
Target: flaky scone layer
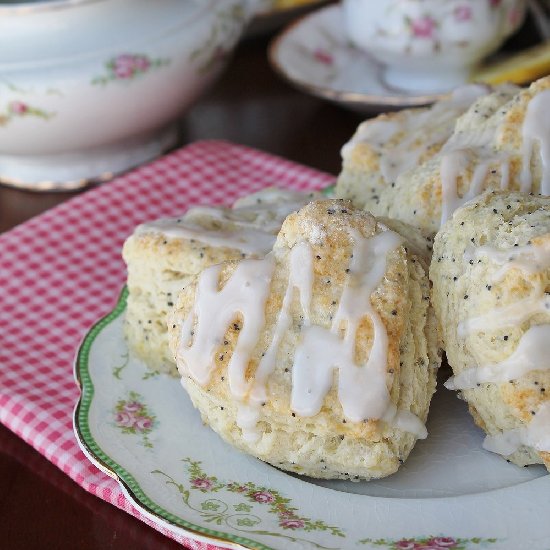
[[326, 443], [491, 277], [163, 255]]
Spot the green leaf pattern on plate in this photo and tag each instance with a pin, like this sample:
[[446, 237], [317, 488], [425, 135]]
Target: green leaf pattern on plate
[[430, 543], [240, 516]]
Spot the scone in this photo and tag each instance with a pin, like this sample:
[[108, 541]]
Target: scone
[[384, 147], [491, 283], [501, 143], [162, 255], [321, 358]]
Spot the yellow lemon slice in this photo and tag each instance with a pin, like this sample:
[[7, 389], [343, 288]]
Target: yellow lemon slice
[[520, 68], [285, 4]]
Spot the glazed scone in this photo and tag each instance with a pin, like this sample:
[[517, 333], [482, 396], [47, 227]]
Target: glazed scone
[[162, 255], [491, 283], [501, 143], [320, 359], [384, 147], [418, 241]]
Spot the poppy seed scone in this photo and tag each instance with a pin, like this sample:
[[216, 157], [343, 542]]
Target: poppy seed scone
[[321, 358], [384, 147], [491, 292], [501, 143], [162, 256]]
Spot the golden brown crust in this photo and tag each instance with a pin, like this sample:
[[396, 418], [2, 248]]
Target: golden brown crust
[[490, 132], [464, 289], [327, 445], [158, 268]]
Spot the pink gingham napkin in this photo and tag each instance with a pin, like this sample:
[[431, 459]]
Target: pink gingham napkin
[[61, 271]]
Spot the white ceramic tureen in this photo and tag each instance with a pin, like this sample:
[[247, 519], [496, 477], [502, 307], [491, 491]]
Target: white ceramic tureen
[[89, 88]]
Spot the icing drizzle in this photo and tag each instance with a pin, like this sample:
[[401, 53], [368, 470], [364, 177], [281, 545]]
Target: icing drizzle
[[250, 227], [532, 352], [320, 353], [536, 434], [458, 150], [404, 155]]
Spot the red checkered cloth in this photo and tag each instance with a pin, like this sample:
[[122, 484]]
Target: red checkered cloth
[[61, 271]]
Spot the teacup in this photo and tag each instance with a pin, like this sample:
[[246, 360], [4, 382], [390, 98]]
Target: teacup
[[430, 45]]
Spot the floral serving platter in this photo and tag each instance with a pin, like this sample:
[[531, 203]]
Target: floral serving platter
[[314, 55], [140, 427]]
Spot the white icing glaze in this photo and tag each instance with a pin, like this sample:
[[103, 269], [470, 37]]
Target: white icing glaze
[[301, 278], [214, 310], [512, 314], [536, 127], [440, 119], [532, 353], [530, 258], [247, 420], [455, 157], [406, 421], [251, 226], [362, 389], [536, 434]]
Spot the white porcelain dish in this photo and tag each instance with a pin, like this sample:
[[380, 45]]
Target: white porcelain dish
[[431, 44], [140, 428], [314, 55], [89, 88]]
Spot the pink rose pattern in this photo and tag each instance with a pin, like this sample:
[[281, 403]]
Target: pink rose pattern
[[425, 26], [128, 66], [257, 499], [19, 109], [133, 417], [430, 543], [463, 13], [323, 57], [287, 516]]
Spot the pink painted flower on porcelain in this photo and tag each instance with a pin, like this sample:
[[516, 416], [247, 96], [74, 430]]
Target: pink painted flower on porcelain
[[143, 423], [202, 483], [124, 72], [423, 27], [292, 523], [443, 542], [125, 420], [18, 107], [133, 406], [124, 60], [323, 57], [405, 545], [263, 497], [141, 63], [463, 13]]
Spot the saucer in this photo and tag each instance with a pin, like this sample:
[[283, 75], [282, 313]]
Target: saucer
[[314, 55]]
